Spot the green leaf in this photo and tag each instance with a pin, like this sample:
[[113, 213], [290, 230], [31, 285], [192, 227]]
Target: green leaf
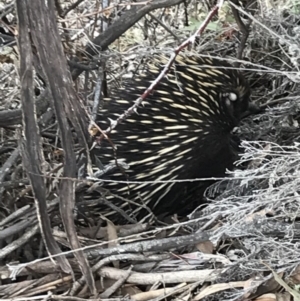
[[195, 24]]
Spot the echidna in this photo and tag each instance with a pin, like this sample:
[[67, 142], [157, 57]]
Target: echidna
[[182, 131]]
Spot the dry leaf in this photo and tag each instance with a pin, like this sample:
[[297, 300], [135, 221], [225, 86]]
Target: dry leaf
[[130, 290], [249, 287], [112, 236], [293, 292], [283, 296], [104, 284], [215, 288], [93, 130], [274, 297], [107, 12], [263, 212], [157, 293], [265, 287], [206, 247], [267, 297], [187, 297], [58, 152], [295, 277]]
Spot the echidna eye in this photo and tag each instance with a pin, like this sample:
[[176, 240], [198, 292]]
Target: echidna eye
[[232, 96]]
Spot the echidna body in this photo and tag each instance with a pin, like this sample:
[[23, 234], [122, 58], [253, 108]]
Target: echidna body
[[182, 131]]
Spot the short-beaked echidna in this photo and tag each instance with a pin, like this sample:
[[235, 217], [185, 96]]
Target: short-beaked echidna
[[182, 130]]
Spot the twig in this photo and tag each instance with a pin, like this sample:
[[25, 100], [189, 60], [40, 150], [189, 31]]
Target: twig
[[8, 164], [243, 28], [167, 277], [166, 69], [113, 288], [164, 26], [164, 244]]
